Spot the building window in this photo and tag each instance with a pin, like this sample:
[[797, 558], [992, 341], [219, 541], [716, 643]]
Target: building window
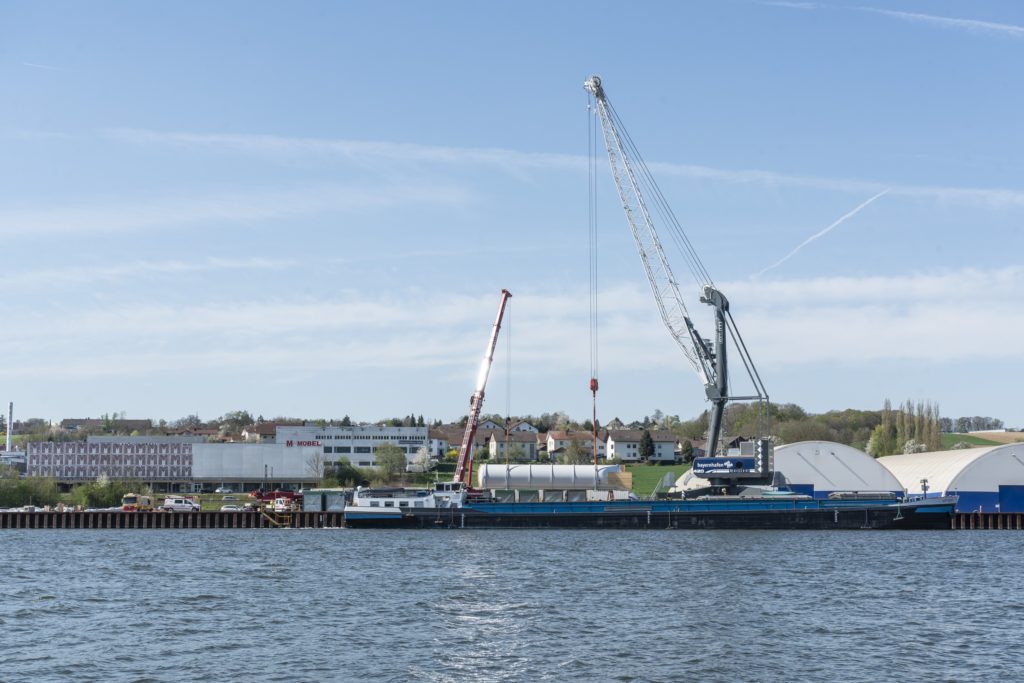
[[343, 449], [328, 449], [363, 449]]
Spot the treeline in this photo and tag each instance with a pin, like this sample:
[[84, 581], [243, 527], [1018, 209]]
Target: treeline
[[909, 428], [963, 425]]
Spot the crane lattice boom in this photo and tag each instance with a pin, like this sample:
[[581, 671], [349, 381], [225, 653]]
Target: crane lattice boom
[[464, 466], [707, 357]]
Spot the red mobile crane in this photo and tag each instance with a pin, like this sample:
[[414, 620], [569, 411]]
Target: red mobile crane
[[464, 467]]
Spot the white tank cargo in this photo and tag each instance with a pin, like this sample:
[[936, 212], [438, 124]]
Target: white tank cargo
[[546, 476]]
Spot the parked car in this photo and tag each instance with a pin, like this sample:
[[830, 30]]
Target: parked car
[[180, 505], [230, 508], [223, 489]]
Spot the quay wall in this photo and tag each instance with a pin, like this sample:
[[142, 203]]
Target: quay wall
[[169, 520]]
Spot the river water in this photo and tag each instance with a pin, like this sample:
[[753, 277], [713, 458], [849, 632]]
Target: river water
[[510, 605]]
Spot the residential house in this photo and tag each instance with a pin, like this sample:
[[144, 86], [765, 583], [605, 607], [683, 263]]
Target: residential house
[[558, 441], [523, 442], [438, 443], [625, 445], [523, 426], [264, 432]]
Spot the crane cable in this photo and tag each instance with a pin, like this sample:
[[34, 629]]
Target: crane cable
[[678, 235], [508, 377], [592, 142]]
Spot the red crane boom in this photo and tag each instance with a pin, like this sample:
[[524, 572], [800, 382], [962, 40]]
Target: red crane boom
[[464, 467]]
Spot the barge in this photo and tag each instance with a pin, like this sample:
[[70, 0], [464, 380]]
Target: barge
[[449, 507]]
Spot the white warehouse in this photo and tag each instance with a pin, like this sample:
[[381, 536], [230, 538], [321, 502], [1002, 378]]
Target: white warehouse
[[989, 479]]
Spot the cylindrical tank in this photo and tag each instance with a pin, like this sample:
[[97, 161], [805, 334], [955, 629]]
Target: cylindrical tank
[[545, 476]]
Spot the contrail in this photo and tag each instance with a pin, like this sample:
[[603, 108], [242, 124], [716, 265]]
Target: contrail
[[824, 232]]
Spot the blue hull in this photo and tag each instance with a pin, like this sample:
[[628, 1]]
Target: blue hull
[[674, 514]]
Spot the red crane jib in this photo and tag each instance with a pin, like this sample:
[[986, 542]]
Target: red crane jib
[[464, 467]]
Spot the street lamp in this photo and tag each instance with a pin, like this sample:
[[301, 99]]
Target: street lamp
[[924, 488]]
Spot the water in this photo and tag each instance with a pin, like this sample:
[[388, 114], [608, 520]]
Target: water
[[509, 605]]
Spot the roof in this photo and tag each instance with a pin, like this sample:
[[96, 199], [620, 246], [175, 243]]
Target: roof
[[264, 429], [657, 435], [517, 437], [967, 469], [579, 436]]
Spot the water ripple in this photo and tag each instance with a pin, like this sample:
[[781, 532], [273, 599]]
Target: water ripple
[[463, 606]]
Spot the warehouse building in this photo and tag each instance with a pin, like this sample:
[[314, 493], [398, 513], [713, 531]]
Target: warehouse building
[[989, 479], [819, 468], [357, 443], [175, 466]]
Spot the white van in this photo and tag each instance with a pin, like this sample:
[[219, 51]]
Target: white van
[[180, 505]]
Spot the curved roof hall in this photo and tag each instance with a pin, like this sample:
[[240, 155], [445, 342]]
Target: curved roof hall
[[968, 469]]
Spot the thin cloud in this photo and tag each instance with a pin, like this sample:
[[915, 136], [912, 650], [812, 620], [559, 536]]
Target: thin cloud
[[42, 66], [79, 275], [842, 219], [221, 209], [786, 323], [517, 162], [971, 25]]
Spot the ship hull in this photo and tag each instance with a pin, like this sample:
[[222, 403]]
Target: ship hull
[[818, 515]]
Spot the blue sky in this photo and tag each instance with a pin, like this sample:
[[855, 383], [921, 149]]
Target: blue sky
[[310, 208]]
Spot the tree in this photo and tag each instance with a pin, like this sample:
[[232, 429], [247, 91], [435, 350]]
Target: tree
[[914, 446], [390, 459], [805, 430], [687, 451], [316, 465], [575, 454], [515, 453], [346, 421], [421, 461], [419, 421], [234, 422], [187, 422], [694, 429], [646, 445]]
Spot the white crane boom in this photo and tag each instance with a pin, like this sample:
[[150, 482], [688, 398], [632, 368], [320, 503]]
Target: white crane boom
[[708, 358], [659, 273], [464, 466]]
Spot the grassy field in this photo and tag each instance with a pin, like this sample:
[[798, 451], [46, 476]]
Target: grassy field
[[1000, 437], [948, 440], [646, 477]]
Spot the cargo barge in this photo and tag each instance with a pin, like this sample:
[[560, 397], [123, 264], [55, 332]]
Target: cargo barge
[[450, 508]]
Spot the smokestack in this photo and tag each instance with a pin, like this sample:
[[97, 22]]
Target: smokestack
[[10, 424]]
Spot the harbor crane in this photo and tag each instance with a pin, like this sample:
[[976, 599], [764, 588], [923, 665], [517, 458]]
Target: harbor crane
[[464, 466], [708, 357]]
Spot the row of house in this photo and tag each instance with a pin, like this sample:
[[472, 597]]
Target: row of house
[[531, 445]]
